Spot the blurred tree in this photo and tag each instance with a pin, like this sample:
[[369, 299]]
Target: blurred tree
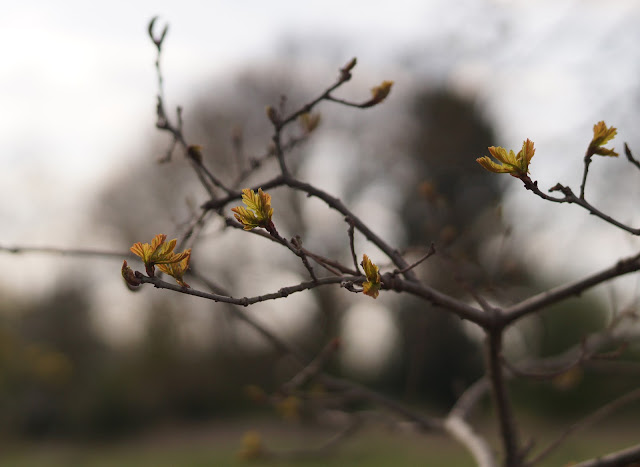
[[448, 203]]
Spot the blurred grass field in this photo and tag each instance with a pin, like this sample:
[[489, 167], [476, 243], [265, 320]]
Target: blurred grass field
[[219, 444]]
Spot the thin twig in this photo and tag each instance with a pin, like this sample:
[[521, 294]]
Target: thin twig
[[256, 162], [352, 247], [628, 457], [319, 451], [164, 123], [430, 252], [570, 198], [314, 368], [630, 157], [469, 398], [66, 251], [590, 420], [477, 446], [557, 294], [587, 162], [296, 242], [439, 299], [246, 301]]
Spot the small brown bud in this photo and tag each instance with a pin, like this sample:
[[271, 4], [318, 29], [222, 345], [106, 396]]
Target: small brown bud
[[351, 65], [194, 151], [380, 93], [129, 276], [273, 115], [345, 72]]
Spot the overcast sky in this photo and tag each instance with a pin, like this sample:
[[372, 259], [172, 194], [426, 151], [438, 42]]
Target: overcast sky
[[77, 85]]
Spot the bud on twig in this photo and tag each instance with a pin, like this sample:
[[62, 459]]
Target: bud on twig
[[345, 72], [194, 151], [273, 115]]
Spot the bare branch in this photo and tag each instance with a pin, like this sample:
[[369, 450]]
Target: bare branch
[[504, 407], [312, 369], [624, 458], [469, 398], [458, 307], [246, 301], [570, 198], [461, 431], [430, 252], [595, 417], [630, 157], [557, 294], [352, 247], [66, 251]]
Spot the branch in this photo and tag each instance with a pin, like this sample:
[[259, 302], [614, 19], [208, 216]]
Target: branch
[[319, 451], [590, 420], [570, 198], [66, 251], [577, 355], [557, 294], [339, 206], [312, 369], [256, 162], [363, 393], [624, 458], [276, 341], [475, 444], [504, 407], [246, 301], [456, 306], [334, 203], [469, 398], [164, 123], [430, 252], [350, 232], [334, 267], [630, 157], [585, 171]]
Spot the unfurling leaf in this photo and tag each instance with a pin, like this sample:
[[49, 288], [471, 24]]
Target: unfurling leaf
[[158, 252], [372, 285], [601, 136], [178, 269], [349, 66], [309, 121], [380, 92], [258, 211], [515, 164]]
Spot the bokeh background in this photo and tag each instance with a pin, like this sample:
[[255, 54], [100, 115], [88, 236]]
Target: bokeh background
[[84, 359]]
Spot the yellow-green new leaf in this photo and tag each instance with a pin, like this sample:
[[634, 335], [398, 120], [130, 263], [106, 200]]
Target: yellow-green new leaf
[[158, 252], [511, 163], [258, 211], [601, 136], [179, 268], [372, 285]]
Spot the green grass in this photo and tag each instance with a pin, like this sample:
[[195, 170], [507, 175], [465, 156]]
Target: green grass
[[218, 445]]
